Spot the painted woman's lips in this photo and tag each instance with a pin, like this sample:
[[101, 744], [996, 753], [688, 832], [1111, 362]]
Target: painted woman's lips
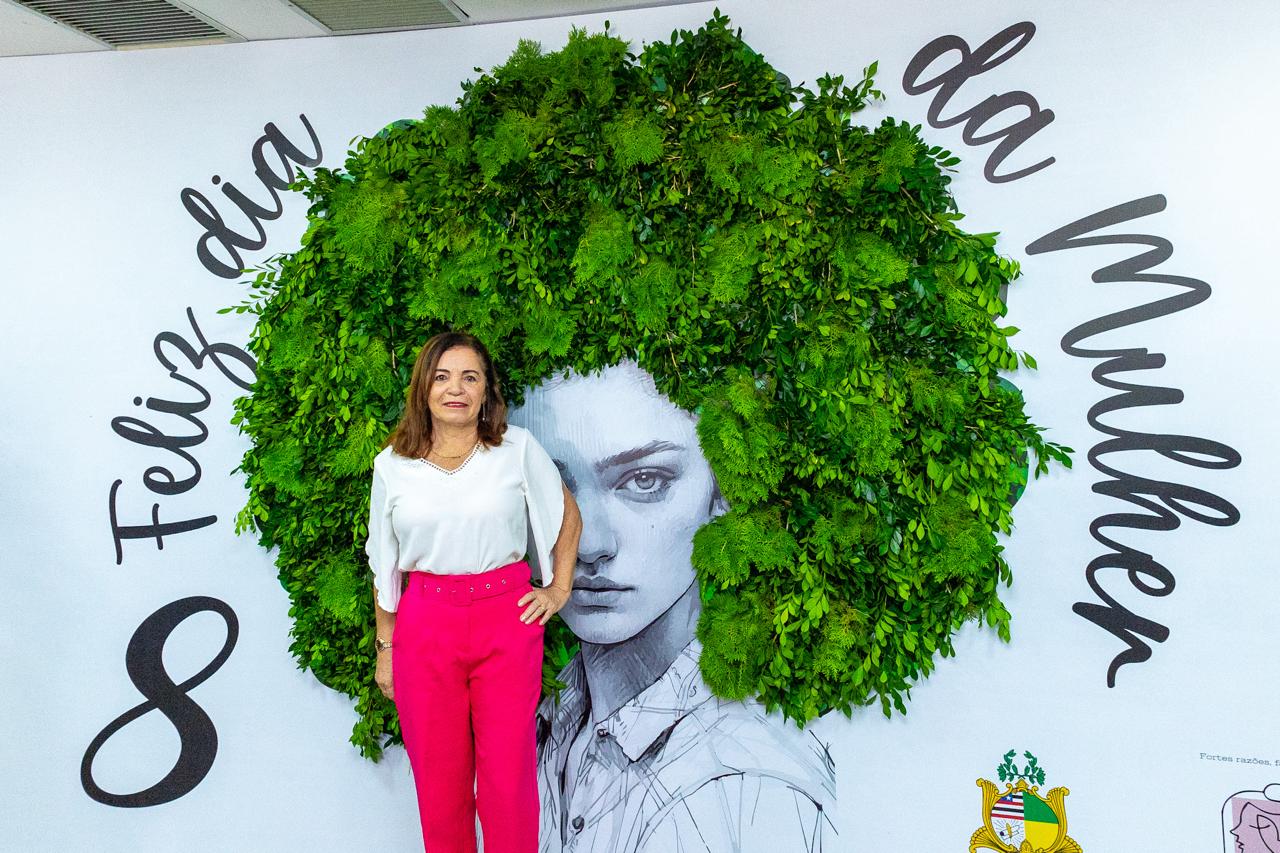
[[598, 593]]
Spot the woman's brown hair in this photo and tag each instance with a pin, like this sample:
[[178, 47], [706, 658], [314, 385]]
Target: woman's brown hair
[[412, 435]]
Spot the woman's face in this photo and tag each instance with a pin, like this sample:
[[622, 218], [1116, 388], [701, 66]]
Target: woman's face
[[457, 388], [632, 461]]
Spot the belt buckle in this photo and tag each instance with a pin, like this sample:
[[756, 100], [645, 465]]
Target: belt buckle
[[462, 591]]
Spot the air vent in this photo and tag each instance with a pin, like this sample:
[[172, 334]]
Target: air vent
[[131, 23], [344, 16]]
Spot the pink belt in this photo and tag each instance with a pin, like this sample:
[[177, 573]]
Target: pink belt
[[461, 589]]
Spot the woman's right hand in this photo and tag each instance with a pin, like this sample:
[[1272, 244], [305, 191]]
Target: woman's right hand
[[383, 674]]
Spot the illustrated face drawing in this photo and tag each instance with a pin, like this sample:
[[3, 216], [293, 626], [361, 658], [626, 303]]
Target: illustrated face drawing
[[632, 460], [1257, 827]]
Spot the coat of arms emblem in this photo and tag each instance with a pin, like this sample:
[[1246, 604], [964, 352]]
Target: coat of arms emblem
[[1018, 819]]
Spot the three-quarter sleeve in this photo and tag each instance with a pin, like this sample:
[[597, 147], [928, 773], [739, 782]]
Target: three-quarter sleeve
[[544, 497], [381, 547]]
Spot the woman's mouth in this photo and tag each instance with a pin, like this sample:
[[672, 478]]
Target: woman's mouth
[[598, 593]]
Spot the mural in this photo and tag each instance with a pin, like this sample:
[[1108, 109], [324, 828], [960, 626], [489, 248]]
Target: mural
[[172, 707], [637, 753]]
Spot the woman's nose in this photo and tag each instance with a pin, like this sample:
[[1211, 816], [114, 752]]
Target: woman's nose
[[597, 543]]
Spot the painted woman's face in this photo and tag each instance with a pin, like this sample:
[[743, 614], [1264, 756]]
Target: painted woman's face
[[632, 461]]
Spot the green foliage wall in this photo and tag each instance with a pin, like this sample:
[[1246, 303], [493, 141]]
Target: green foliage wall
[[797, 279]]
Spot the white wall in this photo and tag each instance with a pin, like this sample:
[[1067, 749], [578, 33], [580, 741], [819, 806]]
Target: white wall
[[1170, 98]]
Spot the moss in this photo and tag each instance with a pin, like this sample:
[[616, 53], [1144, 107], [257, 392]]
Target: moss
[[634, 140], [796, 279], [735, 644], [966, 546]]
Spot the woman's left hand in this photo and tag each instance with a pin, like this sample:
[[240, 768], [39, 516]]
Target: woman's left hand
[[543, 603]]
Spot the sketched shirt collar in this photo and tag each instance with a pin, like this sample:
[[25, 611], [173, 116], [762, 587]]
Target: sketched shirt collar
[[643, 719]]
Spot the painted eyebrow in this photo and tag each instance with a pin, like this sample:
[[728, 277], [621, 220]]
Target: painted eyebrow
[[655, 446], [468, 370]]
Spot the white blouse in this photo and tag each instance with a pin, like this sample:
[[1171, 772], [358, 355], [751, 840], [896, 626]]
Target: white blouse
[[473, 519]]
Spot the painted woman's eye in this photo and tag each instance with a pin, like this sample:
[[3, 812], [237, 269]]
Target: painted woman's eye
[[645, 485], [645, 481]]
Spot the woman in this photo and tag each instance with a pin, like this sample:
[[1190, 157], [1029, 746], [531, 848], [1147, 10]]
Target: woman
[[638, 754], [460, 651]]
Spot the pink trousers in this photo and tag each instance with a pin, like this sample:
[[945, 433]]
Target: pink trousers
[[466, 674]]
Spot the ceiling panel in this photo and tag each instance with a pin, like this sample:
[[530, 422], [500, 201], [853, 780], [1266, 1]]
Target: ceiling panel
[[481, 11], [259, 19], [129, 23], [343, 16], [23, 32]]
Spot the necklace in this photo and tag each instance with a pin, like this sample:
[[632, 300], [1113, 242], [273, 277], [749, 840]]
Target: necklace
[[475, 447], [440, 455]]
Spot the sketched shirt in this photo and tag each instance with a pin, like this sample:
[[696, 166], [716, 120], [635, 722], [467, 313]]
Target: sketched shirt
[[679, 769]]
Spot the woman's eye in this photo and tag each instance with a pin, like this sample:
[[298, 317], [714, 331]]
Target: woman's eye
[[645, 481], [473, 378], [645, 484]]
